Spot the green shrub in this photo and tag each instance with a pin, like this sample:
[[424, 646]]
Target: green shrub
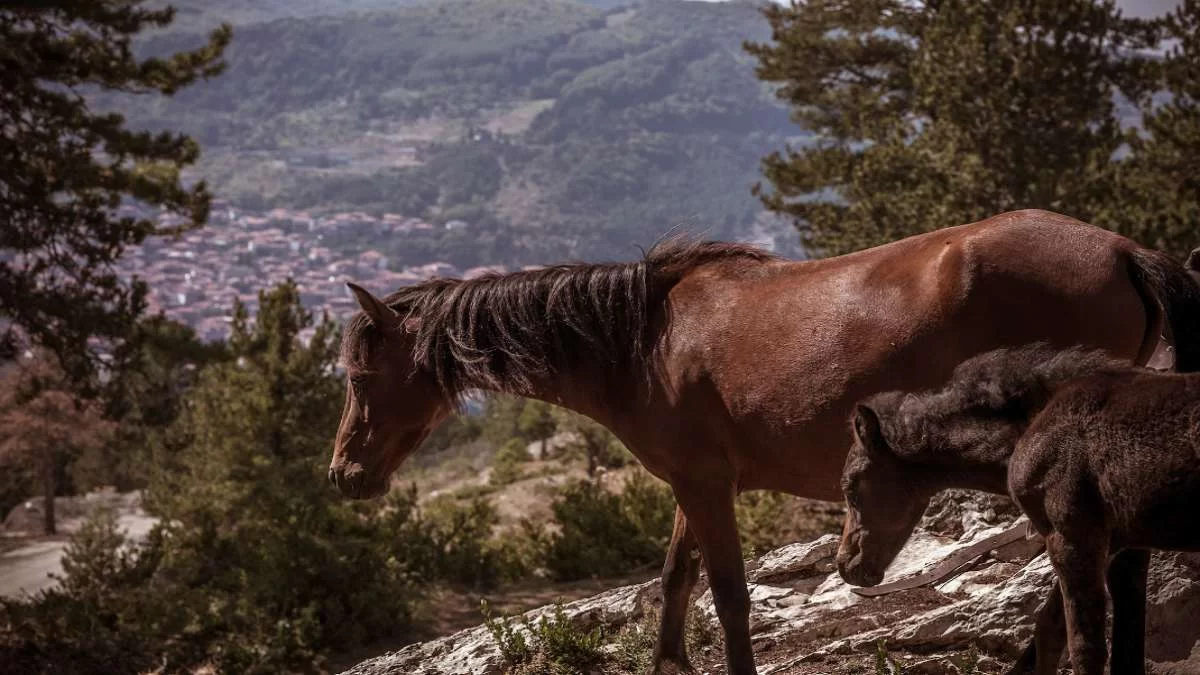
[[761, 520], [451, 540], [553, 645], [884, 663], [506, 466], [616, 455], [604, 534], [458, 430], [633, 647], [100, 618]]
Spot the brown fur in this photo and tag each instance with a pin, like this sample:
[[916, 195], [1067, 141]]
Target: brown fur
[[724, 369], [1104, 458]]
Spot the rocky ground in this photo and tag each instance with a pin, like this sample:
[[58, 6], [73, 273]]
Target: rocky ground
[[805, 619]]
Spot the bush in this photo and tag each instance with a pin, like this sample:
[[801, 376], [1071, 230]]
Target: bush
[[100, 619], [506, 465], [451, 540], [633, 649], [553, 645], [458, 430], [761, 521], [604, 534]]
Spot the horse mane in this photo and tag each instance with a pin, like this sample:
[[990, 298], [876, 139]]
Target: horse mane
[[501, 331], [1001, 384]]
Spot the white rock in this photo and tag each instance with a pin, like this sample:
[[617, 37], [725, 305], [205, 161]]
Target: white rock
[[796, 592]]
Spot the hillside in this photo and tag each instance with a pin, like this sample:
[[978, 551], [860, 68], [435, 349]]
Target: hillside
[[552, 129], [201, 14], [805, 620]]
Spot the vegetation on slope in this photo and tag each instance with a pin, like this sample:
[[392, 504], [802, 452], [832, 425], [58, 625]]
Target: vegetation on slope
[[555, 129]]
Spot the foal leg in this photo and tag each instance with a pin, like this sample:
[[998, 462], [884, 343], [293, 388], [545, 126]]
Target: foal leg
[[1050, 635], [710, 517], [678, 578], [1081, 563], [1042, 655], [1127, 587]]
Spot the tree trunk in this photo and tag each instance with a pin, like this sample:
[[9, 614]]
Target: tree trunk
[[49, 487], [593, 463]]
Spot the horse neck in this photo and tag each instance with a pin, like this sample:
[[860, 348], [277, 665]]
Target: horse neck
[[575, 336], [587, 391]]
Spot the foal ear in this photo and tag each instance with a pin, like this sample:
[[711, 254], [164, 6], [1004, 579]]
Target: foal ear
[[869, 430], [381, 315]]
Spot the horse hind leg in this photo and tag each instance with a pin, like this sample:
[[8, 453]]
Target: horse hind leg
[[1127, 574], [1081, 564], [679, 575]]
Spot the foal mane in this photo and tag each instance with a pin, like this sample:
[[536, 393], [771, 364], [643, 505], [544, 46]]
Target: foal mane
[[1001, 384], [502, 331]]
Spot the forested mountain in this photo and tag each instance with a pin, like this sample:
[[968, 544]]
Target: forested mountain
[[555, 129]]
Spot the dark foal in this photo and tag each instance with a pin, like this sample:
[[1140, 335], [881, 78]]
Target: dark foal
[[1102, 457]]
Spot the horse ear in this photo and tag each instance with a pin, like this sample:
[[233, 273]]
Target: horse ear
[[381, 315], [1193, 265], [869, 430]]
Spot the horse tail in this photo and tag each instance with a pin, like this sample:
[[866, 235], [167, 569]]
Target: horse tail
[[1172, 299]]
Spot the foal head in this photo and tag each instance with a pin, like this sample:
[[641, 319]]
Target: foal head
[[391, 403], [908, 447], [884, 502]]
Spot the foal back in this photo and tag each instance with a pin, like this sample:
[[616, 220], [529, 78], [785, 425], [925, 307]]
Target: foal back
[[1118, 452]]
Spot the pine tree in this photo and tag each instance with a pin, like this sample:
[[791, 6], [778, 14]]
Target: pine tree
[[274, 565], [536, 423], [65, 168], [936, 113], [43, 424], [1159, 195]]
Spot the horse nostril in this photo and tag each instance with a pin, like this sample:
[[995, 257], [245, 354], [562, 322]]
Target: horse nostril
[[333, 477]]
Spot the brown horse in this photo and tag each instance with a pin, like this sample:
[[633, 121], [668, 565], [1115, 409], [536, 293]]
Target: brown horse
[[1101, 456], [724, 368]]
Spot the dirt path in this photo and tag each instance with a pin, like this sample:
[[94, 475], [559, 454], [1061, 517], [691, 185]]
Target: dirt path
[[27, 568]]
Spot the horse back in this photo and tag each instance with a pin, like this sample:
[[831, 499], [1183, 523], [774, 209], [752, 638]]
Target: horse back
[[776, 353]]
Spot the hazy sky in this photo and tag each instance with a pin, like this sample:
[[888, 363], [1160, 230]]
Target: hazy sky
[[1146, 7]]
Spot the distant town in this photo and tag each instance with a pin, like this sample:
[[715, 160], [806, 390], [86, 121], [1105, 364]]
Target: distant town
[[195, 277]]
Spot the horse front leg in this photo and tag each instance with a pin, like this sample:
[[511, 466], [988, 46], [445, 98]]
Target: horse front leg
[[1127, 574], [710, 516], [679, 576], [1081, 563]]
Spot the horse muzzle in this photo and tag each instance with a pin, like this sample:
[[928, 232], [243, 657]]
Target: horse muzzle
[[354, 482], [851, 566], [857, 574]]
